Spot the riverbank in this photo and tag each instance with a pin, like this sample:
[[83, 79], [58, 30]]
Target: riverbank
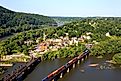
[[15, 58], [9, 61], [111, 61], [6, 65]]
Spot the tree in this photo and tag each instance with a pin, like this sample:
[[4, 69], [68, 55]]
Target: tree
[[117, 58]]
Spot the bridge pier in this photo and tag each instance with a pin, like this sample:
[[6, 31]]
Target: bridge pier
[[68, 70], [74, 65], [61, 75], [86, 56], [32, 64], [22, 72], [82, 59], [28, 68], [54, 79], [78, 61]]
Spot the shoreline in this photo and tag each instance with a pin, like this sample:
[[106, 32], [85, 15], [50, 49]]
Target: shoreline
[[110, 61], [6, 65]]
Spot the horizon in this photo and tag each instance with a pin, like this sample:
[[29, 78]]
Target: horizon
[[61, 8]]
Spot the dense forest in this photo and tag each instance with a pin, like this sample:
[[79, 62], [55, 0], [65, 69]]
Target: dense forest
[[14, 22]]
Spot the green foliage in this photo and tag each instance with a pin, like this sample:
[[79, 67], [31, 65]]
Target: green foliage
[[17, 43], [71, 51], [110, 46], [13, 22], [117, 58]]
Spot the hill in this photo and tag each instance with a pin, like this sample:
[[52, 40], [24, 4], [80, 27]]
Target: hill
[[13, 22]]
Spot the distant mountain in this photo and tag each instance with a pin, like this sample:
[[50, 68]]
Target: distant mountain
[[62, 20], [17, 22]]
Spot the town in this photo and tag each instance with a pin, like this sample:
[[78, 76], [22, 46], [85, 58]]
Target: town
[[47, 45]]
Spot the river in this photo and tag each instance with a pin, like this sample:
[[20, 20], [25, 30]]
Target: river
[[82, 72]]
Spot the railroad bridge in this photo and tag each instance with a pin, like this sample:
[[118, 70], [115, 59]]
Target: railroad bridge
[[59, 73], [22, 71]]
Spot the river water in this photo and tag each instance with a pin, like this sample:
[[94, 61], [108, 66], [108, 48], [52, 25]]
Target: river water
[[82, 72]]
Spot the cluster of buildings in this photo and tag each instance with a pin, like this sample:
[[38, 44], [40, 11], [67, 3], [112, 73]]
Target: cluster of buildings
[[61, 42], [55, 44]]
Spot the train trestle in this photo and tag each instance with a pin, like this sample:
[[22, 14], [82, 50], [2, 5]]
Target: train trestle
[[59, 73]]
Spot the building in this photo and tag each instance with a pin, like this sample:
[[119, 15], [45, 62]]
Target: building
[[43, 46]]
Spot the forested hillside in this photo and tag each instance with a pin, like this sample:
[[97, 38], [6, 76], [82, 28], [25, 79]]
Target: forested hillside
[[13, 22]]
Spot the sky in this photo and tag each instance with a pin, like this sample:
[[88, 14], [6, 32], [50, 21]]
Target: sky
[[70, 8]]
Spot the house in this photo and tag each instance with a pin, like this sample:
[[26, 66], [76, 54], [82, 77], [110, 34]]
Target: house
[[28, 42], [81, 39], [88, 33], [88, 37], [57, 40], [43, 46], [107, 34], [88, 45], [75, 41], [71, 42], [85, 37]]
